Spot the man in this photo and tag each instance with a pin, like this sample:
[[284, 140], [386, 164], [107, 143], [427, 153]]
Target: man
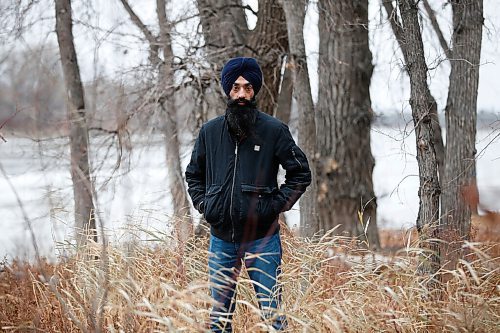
[[232, 179]]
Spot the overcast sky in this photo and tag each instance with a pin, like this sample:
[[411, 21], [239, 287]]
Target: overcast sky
[[113, 54]]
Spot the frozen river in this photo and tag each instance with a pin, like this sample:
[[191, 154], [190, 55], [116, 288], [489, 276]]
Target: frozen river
[[135, 195]]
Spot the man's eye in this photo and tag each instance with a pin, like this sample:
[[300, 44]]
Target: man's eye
[[249, 88]]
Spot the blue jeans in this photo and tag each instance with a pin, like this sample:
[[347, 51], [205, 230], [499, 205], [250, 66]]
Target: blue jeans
[[262, 259]]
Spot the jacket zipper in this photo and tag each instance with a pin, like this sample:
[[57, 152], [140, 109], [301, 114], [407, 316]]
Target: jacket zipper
[[293, 153], [232, 190]]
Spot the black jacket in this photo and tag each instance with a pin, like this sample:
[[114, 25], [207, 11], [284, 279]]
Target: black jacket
[[235, 184]]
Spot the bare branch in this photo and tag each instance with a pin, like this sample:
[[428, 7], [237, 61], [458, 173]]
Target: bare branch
[[395, 23], [6, 121], [246, 7], [437, 29], [138, 22]]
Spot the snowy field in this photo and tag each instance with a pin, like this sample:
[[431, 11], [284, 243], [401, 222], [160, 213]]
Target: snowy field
[[136, 194]]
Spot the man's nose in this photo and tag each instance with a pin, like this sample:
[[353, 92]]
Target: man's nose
[[241, 93]]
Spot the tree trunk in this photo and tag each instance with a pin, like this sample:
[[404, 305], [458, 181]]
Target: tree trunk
[[461, 115], [182, 225], [224, 28], [295, 13], [345, 190], [436, 127], [269, 44], [284, 108], [80, 172], [429, 190], [225, 32]]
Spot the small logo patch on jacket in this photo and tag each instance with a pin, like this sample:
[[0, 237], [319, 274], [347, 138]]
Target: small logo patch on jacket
[[256, 148]]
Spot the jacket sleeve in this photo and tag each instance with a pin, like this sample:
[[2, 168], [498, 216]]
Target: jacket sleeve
[[195, 173], [298, 174]]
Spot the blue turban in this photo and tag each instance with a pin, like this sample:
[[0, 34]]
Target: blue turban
[[246, 67]]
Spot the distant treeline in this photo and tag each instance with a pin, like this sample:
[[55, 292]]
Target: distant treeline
[[33, 101], [394, 118]]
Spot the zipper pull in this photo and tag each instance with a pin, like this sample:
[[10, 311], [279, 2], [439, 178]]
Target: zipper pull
[[236, 149]]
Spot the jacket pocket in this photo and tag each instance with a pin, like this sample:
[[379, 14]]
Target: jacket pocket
[[213, 205], [257, 205]]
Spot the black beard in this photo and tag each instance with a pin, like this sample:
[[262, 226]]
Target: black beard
[[241, 118]]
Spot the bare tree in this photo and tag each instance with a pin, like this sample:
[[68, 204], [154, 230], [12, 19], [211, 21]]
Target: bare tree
[[461, 117], [421, 105], [398, 33], [166, 100], [344, 116], [162, 46], [79, 147], [295, 14], [24, 87], [456, 161]]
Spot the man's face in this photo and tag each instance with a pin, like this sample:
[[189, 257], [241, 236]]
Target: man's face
[[242, 89]]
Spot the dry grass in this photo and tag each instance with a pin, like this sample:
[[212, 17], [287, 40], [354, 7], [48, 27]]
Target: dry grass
[[329, 286]]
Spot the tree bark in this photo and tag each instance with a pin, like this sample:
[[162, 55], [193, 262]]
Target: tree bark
[[224, 28], [436, 127], [269, 44], [429, 190], [345, 164], [461, 116], [79, 146], [284, 108], [295, 12]]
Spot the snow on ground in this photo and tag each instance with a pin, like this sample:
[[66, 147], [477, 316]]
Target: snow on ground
[[138, 195]]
